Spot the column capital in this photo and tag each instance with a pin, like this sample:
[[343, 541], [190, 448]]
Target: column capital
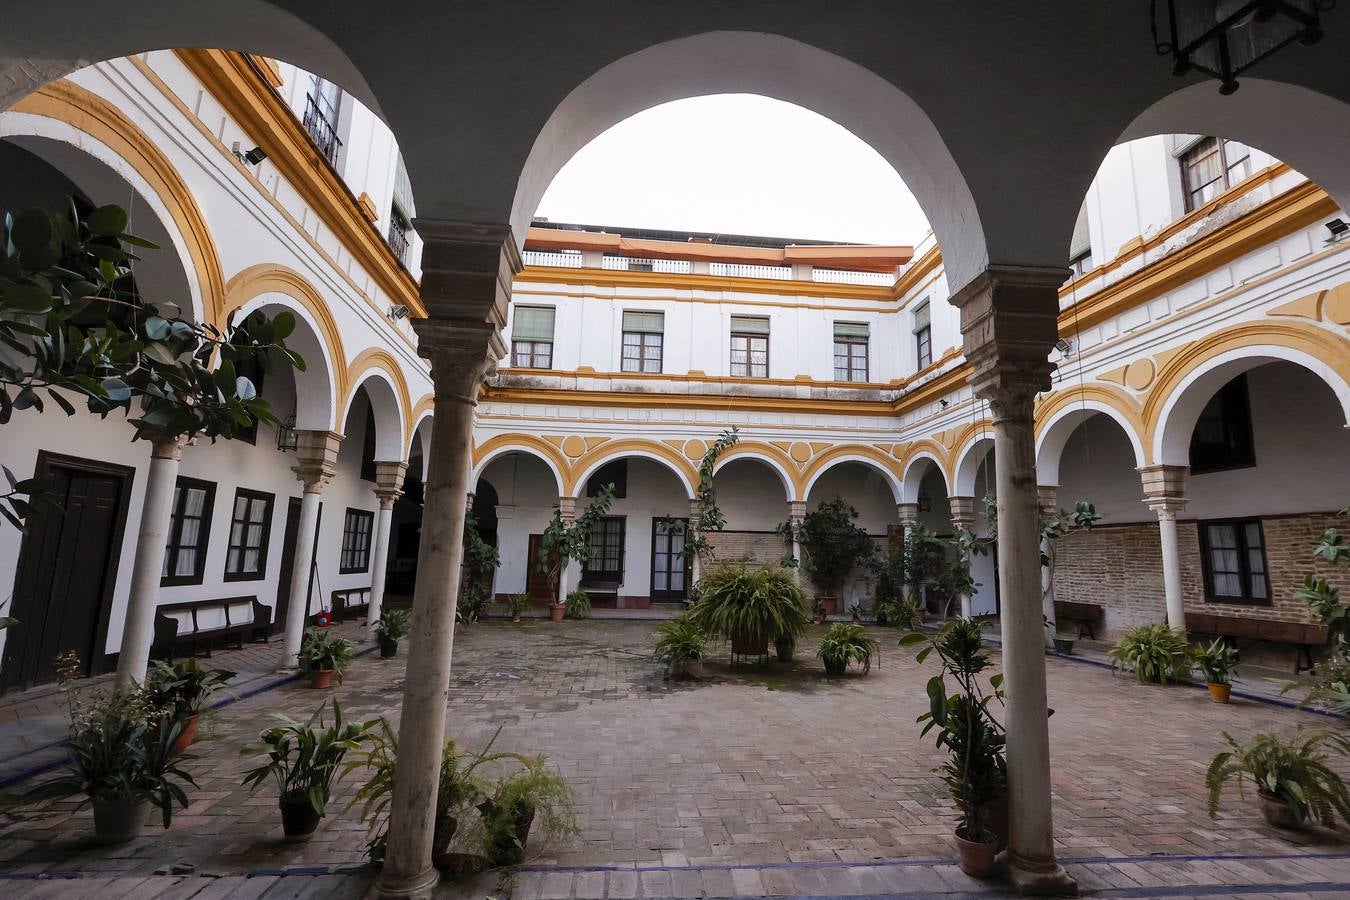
[[316, 458], [567, 508], [389, 481], [167, 447], [1009, 321], [1047, 498], [908, 513], [1164, 487], [467, 271], [962, 511], [797, 511], [695, 509]]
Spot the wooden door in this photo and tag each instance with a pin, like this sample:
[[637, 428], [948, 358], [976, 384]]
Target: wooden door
[[670, 565], [67, 569], [536, 580], [288, 562]]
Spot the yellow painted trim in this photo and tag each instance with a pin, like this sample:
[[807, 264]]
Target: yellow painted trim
[[266, 278], [1320, 343], [749, 448], [65, 101], [378, 358], [723, 403], [915, 449], [826, 460], [618, 278], [625, 447], [1130, 409], [517, 291], [525, 443]]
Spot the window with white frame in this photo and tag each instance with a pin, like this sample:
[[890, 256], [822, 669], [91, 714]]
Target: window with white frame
[[643, 340], [850, 351], [750, 346], [532, 337], [923, 336]]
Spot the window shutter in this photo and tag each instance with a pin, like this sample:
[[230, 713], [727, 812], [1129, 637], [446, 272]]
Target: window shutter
[[850, 329], [644, 322], [921, 317], [533, 323], [749, 325], [1081, 242]]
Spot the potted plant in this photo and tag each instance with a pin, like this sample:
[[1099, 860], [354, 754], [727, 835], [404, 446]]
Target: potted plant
[[473, 599], [519, 603], [855, 613], [833, 545], [975, 771], [304, 759], [1294, 778], [324, 655], [1154, 653], [534, 793], [389, 628], [843, 644], [577, 605], [1218, 661], [750, 607], [566, 541], [121, 758], [183, 689], [681, 644], [1061, 644]]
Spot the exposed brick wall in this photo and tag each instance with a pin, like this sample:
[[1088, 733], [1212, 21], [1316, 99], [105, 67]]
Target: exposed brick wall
[[1120, 567], [757, 547]]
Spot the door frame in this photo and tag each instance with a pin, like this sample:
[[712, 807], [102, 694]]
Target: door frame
[[100, 659], [669, 596]]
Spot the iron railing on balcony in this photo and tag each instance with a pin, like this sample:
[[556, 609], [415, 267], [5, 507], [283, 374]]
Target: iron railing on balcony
[[398, 238], [319, 124]]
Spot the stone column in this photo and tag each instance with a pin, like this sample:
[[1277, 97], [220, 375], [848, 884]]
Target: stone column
[[1047, 501], [695, 564], [388, 488], [315, 465], [139, 631], [963, 516], [570, 577], [1008, 320], [796, 515], [1165, 494], [467, 270]]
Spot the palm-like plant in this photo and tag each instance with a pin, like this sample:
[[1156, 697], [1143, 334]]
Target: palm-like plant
[[1295, 772], [392, 624], [1218, 660], [845, 643], [304, 757], [1154, 653], [321, 649], [736, 601]]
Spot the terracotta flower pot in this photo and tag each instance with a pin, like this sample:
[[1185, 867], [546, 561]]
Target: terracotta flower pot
[[828, 604], [555, 612], [320, 678], [187, 734], [118, 821], [1279, 813], [994, 814], [1219, 693], [976, 857], [515, 617]]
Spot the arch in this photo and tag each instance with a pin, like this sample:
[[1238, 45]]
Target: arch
[[1304, 128], [968, 460], [592, 460], [917, 459], [882, 464], [378, 373], [1064, 411], [320, 388], [502, 444], [1191, 376], [721, 62], [119, 144], [422, 419], [770, 456]]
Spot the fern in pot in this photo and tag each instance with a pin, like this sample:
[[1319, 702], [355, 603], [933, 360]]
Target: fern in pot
[[843, 644], [1294, 778], [1155, 654], [519, 603], [1218, 661], [392, 625], [534, 798], [681, 644], [750, 607]]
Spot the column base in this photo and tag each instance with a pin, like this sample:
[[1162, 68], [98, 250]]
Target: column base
[[1034, 878], [410, 887]]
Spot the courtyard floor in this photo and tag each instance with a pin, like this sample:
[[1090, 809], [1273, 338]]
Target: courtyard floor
[[750, 782]]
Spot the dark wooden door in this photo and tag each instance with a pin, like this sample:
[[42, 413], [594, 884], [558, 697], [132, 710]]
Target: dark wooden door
[[67, 569], [536, 579], [670, 564], [288, 562]]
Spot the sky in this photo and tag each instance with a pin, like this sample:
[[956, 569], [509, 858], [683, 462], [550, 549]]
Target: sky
[[736, 163]]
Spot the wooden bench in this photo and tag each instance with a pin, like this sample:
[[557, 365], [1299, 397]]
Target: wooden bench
[[350, 603], [199, 623], [1084, 614], [1241, 628]]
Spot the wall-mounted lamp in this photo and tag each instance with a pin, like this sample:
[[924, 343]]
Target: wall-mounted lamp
[[1338, 229], [397, 312], [925, 503], [252, 157], [944, 403], [288, 438], [1064, 346]]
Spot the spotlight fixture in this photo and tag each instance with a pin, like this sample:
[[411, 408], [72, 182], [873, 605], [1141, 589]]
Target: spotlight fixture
[[1064, 346], [252, 157], [397, 312], [1224, 38], [1338, 229], [944, 403]]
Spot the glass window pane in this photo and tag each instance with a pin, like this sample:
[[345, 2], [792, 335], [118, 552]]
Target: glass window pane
[[187, 562], [1258, 587], [196, 501], [232, 560], [250, 560]]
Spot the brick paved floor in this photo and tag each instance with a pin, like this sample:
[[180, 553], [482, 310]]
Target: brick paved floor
[[753, 782]]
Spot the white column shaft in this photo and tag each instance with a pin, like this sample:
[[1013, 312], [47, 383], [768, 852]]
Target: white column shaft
[[378, 565], [1171, 560], [297, 609]]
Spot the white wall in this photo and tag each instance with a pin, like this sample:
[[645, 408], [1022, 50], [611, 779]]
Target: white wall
[[527, 497]]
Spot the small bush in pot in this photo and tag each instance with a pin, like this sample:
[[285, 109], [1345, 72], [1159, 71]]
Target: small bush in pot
[[846, 643], [681, 644], [324, 655], [1219, 662], [1155, 654], [751, 607], [534, 796], [389, 628], [183, 690], [519, 603], [833, 545], [304, 759], [1294, 778], [577, 605]]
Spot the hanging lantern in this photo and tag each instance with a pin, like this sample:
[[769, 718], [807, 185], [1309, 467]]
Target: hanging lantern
[[1224, 38], [288, 439]]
